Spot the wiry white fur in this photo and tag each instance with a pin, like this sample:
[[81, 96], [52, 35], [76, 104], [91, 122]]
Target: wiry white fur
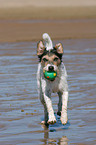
[[48, 42], [46, 87]]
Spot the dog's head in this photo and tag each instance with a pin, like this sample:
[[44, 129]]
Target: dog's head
[[50, 60]]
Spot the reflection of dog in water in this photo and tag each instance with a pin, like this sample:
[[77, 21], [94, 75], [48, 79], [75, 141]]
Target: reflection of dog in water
[[52, 77], [61, 141]]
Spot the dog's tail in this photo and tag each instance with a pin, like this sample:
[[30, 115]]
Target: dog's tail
[[48, 42]]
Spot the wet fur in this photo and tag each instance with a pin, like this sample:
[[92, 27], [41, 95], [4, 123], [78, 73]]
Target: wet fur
[[46, 87]]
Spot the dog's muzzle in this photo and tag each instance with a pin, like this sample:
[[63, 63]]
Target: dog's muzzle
[[51, 68]]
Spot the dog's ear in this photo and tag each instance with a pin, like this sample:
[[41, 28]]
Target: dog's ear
[[40, 48], [59, 48]]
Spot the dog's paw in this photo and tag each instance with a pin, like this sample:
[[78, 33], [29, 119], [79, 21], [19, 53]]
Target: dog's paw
[[42, 122], [51, 121], [64, 119]]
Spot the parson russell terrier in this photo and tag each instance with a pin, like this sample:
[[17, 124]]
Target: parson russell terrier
[[50, 59]]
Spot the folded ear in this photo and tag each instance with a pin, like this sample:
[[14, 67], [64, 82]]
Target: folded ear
[[40, 48], [59, 48]]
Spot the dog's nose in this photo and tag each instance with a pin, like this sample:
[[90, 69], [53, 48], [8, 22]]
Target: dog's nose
[[51, 68]]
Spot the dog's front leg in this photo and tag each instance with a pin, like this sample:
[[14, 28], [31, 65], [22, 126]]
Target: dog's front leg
[[49, 108], [64, 118]]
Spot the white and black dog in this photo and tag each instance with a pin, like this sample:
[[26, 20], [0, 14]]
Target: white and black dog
[[50, 59]]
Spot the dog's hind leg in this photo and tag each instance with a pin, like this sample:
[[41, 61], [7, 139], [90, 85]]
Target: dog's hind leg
[[59, 104]]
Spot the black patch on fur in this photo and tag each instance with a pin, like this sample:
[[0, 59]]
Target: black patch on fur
[[48, 52]]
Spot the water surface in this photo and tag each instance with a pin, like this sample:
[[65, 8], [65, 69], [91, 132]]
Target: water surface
[[20, 109]]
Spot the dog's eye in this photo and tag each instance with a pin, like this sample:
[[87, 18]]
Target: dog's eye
[[55, 59], [45, 60]]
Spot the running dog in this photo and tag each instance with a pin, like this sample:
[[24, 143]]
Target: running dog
[[50, 60]]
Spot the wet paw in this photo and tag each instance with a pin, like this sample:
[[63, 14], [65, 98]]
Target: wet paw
[[51, 121], [64, 120], [42, 122]]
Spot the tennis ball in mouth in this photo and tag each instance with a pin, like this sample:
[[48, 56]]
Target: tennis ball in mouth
[[50, 75]]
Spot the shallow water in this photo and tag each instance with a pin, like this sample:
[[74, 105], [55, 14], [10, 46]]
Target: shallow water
[[20, 109]]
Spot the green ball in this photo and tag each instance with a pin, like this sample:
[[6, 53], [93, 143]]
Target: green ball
[[50, 75]]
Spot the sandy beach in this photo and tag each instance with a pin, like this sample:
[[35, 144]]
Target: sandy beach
[[28, 20], [22, 23]]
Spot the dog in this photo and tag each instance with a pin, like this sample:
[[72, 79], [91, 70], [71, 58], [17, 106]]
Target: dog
[[50, 59]]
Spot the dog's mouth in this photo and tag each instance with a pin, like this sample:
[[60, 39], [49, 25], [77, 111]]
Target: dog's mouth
[[50, 75]]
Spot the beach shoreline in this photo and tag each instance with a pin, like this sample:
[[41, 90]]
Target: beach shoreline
[[20, 23], [32, 30], [31, 12]]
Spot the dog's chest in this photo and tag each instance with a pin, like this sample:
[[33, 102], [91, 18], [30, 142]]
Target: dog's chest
[[54, 86]]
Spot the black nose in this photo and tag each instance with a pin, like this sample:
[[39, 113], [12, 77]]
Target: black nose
[[51, 68]]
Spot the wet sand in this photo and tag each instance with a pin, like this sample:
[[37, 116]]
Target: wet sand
[[61, 19], [20, 109], [30, 30]]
